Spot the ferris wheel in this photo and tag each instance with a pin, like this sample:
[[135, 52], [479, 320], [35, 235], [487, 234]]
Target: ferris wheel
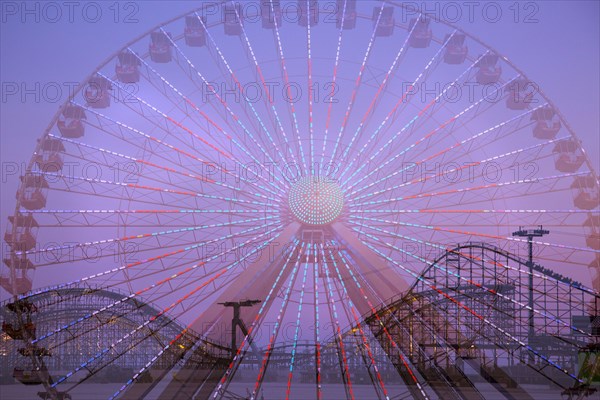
[[294, 166]]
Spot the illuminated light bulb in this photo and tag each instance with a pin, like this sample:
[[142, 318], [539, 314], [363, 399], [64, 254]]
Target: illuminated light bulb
[[316, 200]]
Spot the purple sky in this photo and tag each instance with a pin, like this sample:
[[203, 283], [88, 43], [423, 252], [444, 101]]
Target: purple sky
[[556, 43], [559, 52]]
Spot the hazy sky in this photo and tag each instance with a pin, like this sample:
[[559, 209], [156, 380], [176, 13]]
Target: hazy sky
[[48, 47], [558, 48]]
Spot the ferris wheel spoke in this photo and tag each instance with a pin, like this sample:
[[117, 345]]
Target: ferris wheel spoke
[[356, 87], [138, 241], [534, 154], [254, 121], [311, 129], [185, 105], [536, 149], [269, 103], [524, 187], [143, 217], [72, 183], [155, 258], [396, 111], [382, 326], [249, 240], [113, 193], [185, 255], [317, 334], [148, 273], [404, 100], [483, 191], [515, 121], [276, 328], [134, 174], [418, 121], [336, 66], [459, 121], [337, 331], [240, 353], [296, 332], [474, 211], [170, 121], [104, 157], [184, 109], [363, 342], [185, 153], [286, 79], [238, 84], [194, 74], [115, 190], [479, 146], [122, 131], [171, 126], [451, 122], [233, 140], [467, 234]]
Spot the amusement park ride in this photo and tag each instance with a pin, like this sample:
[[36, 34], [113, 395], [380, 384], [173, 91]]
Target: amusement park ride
[[261, 248]]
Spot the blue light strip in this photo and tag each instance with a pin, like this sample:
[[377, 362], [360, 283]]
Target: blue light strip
[[297, 330], [365, 342]]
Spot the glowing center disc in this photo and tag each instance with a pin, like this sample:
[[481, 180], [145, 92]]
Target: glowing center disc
[[316, 200]]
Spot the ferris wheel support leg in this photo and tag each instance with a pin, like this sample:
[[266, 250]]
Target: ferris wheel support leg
[[254, 282], [200, 379], [374, 271]]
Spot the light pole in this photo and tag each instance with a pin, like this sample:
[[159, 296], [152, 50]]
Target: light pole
[[530, 234]]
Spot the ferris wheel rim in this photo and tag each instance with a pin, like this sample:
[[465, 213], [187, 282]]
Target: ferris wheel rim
[[220, 21], [52, 124]]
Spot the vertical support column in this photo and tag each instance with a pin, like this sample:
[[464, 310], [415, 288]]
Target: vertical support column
[[236, 321], [530, 234]]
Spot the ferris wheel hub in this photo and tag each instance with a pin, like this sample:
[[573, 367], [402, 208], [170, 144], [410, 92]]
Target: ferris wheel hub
[[316, 200]]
